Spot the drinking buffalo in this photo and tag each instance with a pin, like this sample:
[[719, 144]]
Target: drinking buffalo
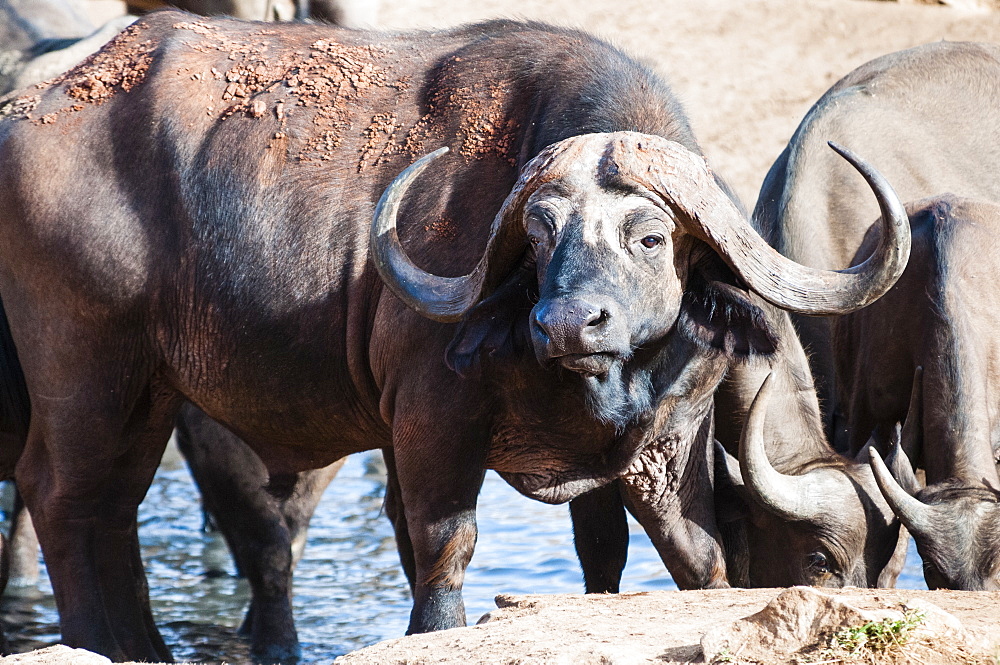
[[936, 330], [806, 514], [220, 252]]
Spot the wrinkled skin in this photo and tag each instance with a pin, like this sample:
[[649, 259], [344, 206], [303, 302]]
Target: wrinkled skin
[[938, 323], [264, 522], [225, 260], [816, 212]]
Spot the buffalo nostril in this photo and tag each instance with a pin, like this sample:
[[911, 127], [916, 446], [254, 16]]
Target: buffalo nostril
[[540, 329], [600, 318]]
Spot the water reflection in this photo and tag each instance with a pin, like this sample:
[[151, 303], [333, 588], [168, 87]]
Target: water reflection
[[349, 588]]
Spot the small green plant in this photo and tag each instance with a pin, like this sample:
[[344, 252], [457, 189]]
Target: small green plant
[[876, 637], [724, 656]]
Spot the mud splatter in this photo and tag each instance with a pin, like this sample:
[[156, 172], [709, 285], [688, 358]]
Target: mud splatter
[[443, 228], [20, 108], [329, 79], [120, 66], [333, 83], [484, 127], [380, 141]]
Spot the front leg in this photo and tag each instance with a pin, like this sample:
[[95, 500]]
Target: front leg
[[439, 476], [393, 505], [600, 535], [669, 490]]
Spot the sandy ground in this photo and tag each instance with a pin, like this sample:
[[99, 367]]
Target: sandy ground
[[664, 627], [747, 72]]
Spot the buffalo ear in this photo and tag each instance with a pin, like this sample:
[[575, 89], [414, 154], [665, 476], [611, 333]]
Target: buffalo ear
[[717, 314], [497, 327], [731, 496]]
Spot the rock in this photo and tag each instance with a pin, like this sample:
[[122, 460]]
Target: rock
[[802, 619], [59, 654], [798, 618], [939, 626]]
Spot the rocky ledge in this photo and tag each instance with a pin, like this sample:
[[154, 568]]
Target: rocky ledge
[[740, 626], [798, 625]]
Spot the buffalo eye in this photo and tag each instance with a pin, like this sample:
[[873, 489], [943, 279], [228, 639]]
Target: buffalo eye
[[650, 242], [534, 240], [818, 563]]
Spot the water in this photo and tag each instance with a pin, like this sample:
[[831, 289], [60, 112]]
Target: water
[[349, 588]]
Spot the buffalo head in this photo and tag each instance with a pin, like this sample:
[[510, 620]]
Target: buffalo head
[[955, 523], [956, 527], [623, 238], [825, 524]]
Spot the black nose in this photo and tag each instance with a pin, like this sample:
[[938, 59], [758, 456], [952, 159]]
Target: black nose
[[571, 326]]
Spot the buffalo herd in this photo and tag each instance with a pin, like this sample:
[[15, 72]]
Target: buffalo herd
[[497, 246]]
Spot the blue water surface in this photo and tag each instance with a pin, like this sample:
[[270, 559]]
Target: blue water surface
[[349, 588]]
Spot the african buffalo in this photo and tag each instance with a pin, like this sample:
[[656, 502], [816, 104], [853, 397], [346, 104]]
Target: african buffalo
[[929, 120], [818, 521], [936, 330], [219, 253]]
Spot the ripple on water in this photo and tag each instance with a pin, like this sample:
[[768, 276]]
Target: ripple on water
[[349, 588]]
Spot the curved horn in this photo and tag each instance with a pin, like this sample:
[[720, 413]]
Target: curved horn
[[684, 181], [730, 464], [440, 298], [786, 496], [914, 514], [447, 299]]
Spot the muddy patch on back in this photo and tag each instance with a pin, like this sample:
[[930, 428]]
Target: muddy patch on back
[[341, 96], [118, 67], [328, 78]]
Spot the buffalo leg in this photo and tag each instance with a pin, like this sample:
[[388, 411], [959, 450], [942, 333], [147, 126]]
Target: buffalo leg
[[297, 510], [438, 488], [600, 535], [233, 481], [83, 474], [669, 490], [394, 510]]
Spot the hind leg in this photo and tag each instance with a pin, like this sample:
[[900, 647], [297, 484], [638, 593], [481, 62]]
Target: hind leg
[[23, 546], [91, 454], [397, 517], [232, 481]]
